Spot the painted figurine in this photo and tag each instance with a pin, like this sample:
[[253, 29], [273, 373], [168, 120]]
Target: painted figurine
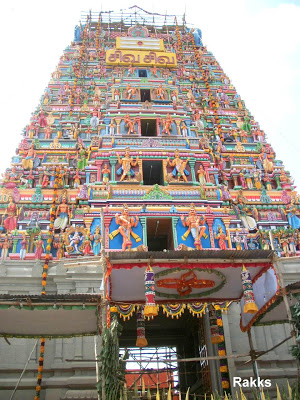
[[196, 226], [179, 167], [10, 223], [126, 162], [39, 248], [126, 224], [221, 237], [62, 215], [23, 249], [96, 237]]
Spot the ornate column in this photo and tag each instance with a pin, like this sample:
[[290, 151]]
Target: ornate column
[[113, 161], [143, 221], [188, 125], [174, 223], [210, 220], [139, 132], [118, 121], [226, 221], [107, 221], [99, 166], [192, 165], [158, 120], [177, 122]]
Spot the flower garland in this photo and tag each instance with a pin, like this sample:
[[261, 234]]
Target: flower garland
[[97, 35], [222, 349], [215, 110], [78, 67], [178, 41], [44, 282]]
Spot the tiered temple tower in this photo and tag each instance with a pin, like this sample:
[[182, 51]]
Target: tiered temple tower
[[142, 151]]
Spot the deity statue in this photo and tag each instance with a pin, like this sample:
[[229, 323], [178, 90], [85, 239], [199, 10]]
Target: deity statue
[[130, 124], [241, 210], [27, 162], [5, 245], [82, 156], [160, 93], [201, 175], [87, 244], [23, 249], [196, 226], [131, 92], [96, 237], [76, 179], [222, 238], [60, 246], [126, 224], [167, 124], [126, 162], [63, 214], [179, 167], [105, 174], [112, 127], [10, 222], [39, 248], [291, 210]]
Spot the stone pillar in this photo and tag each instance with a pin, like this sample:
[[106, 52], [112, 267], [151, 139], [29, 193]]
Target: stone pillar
[[107, 221], [188, 125], [210, 220], [78, 348], [226, 221], [192, 165], [99, 166], [58, 355], [174, 223], [113, 161], [158, 120], [118, 121], [143, 221]]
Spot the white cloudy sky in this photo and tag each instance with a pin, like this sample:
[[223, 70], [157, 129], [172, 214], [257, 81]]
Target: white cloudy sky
[[257, 42]]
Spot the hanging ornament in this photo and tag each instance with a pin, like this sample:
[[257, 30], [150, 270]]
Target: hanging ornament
[[108, 317], [214, 328], [150, 307], [141, 341], [250, 306]]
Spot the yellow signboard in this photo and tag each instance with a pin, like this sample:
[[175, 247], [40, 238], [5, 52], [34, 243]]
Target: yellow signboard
[[142, 58], [138, 43]]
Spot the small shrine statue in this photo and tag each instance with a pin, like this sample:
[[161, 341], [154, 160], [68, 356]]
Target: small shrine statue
[[112, 127], [131, 92], [201, 175], [130, 124], [63, 214], [82, 156], [39, 248], [105, 174], [87, 244], [167, 125], [126, 162], [160, 93], [60, 246], [96, 237], [291, 210], [10, 222], [27, 162], [220, 235], [76, 179], [126, 224], [179, 167], [24, 244], [5, 245], [196, 226]]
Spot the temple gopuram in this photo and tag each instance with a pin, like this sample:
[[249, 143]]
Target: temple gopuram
[[149, 236]]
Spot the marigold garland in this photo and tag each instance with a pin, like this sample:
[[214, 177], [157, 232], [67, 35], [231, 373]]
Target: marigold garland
[[44, 283], [215, 110]]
